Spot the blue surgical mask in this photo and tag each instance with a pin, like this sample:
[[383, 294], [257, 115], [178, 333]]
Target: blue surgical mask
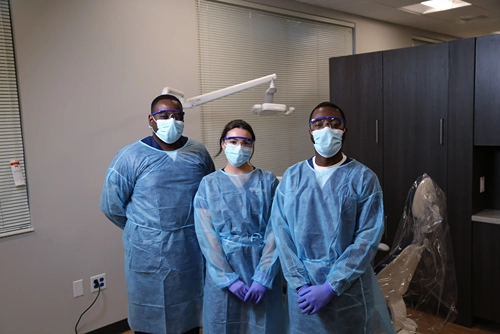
[[327, 141], [169, 130], [237, 155]]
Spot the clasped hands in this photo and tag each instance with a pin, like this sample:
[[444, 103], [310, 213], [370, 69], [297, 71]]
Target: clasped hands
[[252, 294], [314, 298]]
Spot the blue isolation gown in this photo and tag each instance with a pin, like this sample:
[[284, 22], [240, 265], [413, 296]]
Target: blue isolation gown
[[149, 193], [231, 220], [328, 226]]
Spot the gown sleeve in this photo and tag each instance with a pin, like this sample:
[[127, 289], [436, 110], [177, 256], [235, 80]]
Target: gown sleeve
[[293, 268], [357, 257], [268, 265], [210, 243], [117, 191]]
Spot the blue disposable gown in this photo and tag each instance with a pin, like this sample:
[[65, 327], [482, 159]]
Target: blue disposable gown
[[231, 220], [149, 193], [327, 227]]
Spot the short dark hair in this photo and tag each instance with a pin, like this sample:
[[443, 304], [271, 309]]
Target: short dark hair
[[328, 104], [164, 97], [234, 124]]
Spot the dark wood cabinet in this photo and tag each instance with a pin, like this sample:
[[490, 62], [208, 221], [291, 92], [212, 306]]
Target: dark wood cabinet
[[487, 92], [396, 110], [486, 269], [415, 116], [460, 167], [422, 99], [356, 87]]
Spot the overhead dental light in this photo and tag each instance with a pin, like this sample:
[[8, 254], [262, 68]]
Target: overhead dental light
[[258, 109]]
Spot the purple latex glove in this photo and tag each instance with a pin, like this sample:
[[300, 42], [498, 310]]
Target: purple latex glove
[[255, 293], [314, 298], [239, 288], [303, 287]]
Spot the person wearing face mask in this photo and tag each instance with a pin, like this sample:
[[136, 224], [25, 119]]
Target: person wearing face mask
[[328, 219], [243, 287], [148, 192]]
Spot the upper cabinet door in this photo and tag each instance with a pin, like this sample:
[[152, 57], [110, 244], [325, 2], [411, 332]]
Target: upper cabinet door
[[356, 86], [487, 92], [415, 120]]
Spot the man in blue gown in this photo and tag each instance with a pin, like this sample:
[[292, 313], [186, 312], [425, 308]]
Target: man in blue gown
[[148, 192], [328, 219]]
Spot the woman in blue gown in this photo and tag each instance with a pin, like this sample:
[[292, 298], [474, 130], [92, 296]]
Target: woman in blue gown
[[243, 288]]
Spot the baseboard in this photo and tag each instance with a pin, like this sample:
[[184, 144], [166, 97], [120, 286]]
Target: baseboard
[[118, 327]]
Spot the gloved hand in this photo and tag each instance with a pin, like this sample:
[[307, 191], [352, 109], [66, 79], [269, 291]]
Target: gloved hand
[[303, 287], [239, 288], [255, 293], [314, 298]]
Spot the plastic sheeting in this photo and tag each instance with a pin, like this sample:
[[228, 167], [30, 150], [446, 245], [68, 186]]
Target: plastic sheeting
[[417, 278]]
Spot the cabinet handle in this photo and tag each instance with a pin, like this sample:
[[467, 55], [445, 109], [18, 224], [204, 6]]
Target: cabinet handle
[[441, 130], [376, 131]]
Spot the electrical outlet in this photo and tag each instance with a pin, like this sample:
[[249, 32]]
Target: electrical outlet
[[78, 288], [481, 184], [101, 279]]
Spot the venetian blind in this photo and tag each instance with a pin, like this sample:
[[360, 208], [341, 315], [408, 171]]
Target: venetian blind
[[14, 209], [238, 44]]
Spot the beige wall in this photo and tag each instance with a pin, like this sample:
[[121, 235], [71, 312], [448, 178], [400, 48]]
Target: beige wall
[[88, 71]]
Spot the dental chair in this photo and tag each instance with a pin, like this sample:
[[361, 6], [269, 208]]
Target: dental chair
[[417, 277]]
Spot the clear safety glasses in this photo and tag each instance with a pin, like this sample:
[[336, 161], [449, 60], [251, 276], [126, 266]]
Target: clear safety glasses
[[321, 122], [178, 115], [242, 141]]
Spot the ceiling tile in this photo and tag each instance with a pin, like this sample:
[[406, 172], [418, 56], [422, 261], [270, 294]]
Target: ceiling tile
[[490, 25], [331, 3], [478, 2], [365, 9], [440, 22], [493, 6], [397, 3], [456, 13]]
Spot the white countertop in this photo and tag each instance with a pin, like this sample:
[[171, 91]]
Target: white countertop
[[487, 216]]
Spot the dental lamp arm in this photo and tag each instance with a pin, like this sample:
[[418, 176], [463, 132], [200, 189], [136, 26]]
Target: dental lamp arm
[[257, 109], [208, 97], [270, 93]]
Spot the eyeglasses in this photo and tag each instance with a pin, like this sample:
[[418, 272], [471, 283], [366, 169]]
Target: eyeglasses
[[320, 122], [178, 115], [243, 141]]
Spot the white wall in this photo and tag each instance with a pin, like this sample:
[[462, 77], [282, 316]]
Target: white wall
[[88, 71]]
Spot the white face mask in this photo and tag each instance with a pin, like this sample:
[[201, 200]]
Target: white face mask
[[169, 130], [237, 155], [327, 141]]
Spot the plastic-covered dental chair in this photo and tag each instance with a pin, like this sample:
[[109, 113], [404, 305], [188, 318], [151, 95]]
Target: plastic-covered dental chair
[[417, 278]]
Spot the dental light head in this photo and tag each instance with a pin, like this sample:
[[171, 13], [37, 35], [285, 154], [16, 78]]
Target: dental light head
[[267, 108], [270, 108]]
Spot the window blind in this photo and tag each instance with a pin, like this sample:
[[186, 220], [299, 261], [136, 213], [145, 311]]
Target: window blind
[[14, 209], [238, 44]]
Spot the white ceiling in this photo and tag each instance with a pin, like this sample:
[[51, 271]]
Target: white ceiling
[[480, 19]]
